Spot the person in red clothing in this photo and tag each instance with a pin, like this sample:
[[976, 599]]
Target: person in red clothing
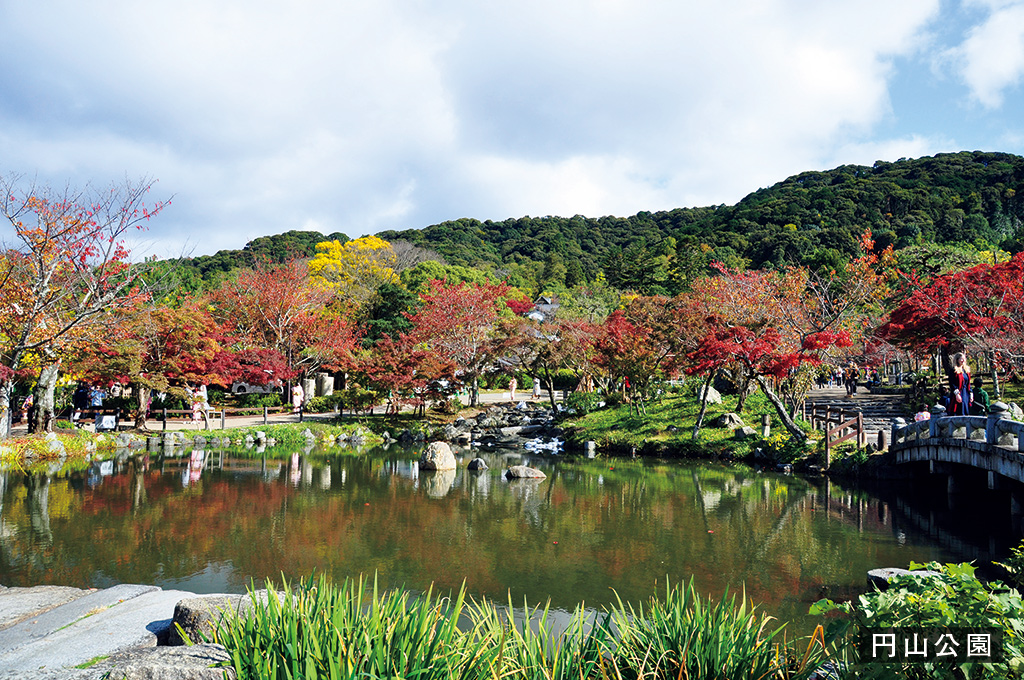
[[960, 392]]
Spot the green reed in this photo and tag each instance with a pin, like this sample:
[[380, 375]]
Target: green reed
[[356, 630]]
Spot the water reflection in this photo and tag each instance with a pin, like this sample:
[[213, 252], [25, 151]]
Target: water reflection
[[210, 521]]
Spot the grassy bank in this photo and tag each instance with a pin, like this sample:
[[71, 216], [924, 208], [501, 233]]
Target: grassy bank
[[666, 430]]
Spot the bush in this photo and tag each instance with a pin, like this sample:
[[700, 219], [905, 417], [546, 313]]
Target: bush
[[322, 404], [952, 597], [257, 400], [449, 406], [782, 447], [582, 402]]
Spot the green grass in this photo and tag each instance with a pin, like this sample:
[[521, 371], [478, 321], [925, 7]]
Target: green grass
[[92, 662], [354, 630], [620, 427]]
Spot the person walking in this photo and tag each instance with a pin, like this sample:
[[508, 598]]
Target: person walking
[[512, 384]]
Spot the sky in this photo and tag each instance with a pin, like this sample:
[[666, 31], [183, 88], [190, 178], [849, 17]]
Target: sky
[[256, 118]]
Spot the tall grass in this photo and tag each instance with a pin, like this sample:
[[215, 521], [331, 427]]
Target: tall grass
[[355, 630]]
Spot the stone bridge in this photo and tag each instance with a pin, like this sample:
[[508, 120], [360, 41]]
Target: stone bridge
[[993, 444]]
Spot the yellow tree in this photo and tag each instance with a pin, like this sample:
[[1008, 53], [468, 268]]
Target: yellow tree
[[356, 269]]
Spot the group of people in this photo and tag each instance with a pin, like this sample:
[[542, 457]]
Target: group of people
[[964, 396], [513, 384]]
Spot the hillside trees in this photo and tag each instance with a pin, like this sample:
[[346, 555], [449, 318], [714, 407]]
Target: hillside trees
[[354, 270], [68, 274]]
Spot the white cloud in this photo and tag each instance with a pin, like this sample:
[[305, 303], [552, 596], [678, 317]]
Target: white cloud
[[991, 58], [371, 114]]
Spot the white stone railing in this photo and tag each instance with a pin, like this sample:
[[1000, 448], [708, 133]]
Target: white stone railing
[[996, 428]]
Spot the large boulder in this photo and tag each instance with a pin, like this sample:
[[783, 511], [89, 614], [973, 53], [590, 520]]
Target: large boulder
[[729, 420], [523, 472], [438, 456], [713, 395], [744, 432], [198, 616], [477, 464]]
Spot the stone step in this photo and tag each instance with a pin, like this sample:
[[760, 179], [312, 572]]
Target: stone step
[[47, 622], [18, 604], [129, 624]]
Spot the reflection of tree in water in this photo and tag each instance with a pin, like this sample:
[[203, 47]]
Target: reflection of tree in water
[[37, 502], [137, 483]]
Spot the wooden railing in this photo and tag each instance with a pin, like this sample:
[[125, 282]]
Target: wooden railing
[[212, 414], [838, 424]]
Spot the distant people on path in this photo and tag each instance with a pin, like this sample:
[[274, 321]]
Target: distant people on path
[[298, 396], [982, 403], [512, 384], [850, 377], [198, 399], [536, 388], [960, 394], [79, 402]]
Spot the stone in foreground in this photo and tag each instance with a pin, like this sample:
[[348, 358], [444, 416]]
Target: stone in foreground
[[198, 662]]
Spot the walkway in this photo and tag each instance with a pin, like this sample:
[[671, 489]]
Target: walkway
[[486, 399], [878, 409]]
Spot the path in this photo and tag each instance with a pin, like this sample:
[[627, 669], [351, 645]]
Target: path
[[878, 409], [156, 426]]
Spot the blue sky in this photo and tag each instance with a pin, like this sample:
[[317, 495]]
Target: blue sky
[[363, 115]]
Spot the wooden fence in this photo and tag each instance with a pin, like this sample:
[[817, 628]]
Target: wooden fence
[[838, 424]]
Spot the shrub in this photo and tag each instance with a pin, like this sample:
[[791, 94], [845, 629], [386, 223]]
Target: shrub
[[782, 447], [582, 402], [951, 597], [322, 404], [257, 400]]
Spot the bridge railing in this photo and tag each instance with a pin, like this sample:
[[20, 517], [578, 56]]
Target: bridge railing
[[996, 428]]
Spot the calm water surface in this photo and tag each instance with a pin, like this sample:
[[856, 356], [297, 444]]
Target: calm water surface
[[590, 527]]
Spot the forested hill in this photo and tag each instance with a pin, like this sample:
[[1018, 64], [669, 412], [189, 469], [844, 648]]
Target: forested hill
[[810, 218], [813, 219]]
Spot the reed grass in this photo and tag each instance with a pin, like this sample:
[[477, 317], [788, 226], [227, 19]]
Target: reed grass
[[320, 630]]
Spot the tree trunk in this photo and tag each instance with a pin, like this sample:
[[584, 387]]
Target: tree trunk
[[43, 398], [142, 406], [780, 410], [6, 389], [744, 388], [551, 389], [703, 403]]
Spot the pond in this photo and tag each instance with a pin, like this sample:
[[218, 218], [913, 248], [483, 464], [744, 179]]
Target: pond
[[592, 531]]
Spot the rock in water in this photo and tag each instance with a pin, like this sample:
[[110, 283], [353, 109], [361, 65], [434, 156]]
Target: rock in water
[[438, 456], [477, 464], [524, 472]]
